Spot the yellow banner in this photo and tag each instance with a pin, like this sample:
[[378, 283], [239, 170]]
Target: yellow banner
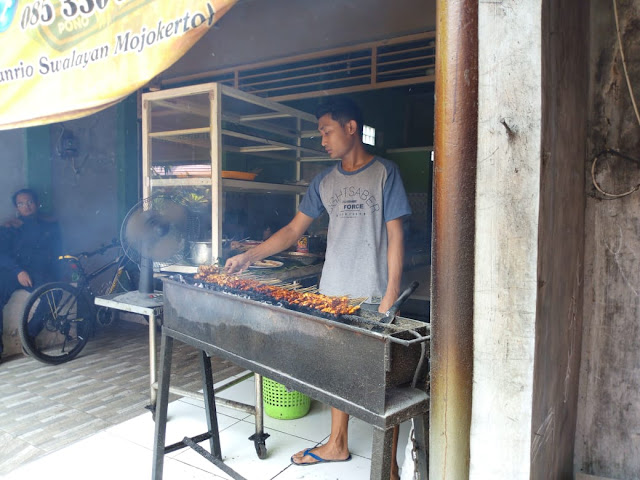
[[64, 59]]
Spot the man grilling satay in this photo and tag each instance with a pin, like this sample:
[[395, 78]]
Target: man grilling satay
[[366, 202]]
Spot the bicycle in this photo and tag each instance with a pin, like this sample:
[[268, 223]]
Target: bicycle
[[59, 317]]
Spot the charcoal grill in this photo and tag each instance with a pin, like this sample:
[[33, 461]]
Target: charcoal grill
[[362, 367]]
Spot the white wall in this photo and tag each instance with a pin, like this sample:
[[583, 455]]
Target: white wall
[[507, 211]]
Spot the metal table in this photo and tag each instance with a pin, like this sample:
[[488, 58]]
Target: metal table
[[149, 305]]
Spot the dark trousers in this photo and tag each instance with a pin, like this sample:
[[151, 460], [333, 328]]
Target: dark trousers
[[8, 284]]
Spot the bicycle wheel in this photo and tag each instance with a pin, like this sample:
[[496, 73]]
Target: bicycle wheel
[[56, 323]]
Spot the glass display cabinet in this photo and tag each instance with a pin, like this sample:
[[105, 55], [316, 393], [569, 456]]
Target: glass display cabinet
[[214, 145]]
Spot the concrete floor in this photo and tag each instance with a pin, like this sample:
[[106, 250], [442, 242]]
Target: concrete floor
[[44, 408], [87, 419]]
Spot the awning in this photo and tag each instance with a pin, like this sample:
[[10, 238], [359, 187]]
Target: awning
[[64, 59]]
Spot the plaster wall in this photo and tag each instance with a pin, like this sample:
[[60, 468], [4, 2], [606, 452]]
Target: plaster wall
[[506, 251], [259, 30], [607, 438], [85, 187], [12, 162]]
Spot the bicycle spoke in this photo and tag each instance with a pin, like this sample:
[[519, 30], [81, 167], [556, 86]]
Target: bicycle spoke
[[52, 304]]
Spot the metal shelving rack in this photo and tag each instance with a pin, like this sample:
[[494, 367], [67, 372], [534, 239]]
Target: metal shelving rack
[[189, 132]]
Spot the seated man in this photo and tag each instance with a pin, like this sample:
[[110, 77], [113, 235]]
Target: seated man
[[29, 248]]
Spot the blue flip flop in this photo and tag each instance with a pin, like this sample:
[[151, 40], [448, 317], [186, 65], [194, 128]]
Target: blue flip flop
[[317, 457]]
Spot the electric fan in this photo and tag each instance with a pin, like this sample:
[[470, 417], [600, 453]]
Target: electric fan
[[158, 230]]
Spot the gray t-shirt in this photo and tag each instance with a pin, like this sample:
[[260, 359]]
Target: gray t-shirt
[[359, 204]]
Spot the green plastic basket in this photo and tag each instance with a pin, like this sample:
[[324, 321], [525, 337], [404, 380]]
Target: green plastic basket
[[282, 404]]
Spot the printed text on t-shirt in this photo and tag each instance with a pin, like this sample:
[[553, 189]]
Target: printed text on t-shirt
[[353, 201]]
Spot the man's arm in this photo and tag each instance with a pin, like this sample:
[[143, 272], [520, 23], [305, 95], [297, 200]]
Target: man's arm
[[7, 261], [395, 259], [283, 238], [13, 223]]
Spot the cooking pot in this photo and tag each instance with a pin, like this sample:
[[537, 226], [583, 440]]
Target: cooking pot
[[201, 253]]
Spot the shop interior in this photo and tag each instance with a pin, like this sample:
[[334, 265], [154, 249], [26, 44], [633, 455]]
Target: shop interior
[[269, 152], [238, 164]]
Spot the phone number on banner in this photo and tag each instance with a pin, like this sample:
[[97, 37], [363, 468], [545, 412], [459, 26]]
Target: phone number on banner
[[42, 12]]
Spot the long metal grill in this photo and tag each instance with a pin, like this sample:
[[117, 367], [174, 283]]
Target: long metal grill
[[288, 295], [374, 371]]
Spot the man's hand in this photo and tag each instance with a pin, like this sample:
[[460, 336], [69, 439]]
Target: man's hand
[[24, 279], [388, 300], [237, 263], [274, 244], [13, 223], [395, 255]]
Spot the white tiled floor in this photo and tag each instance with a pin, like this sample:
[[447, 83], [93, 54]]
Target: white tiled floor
[[124, 452]]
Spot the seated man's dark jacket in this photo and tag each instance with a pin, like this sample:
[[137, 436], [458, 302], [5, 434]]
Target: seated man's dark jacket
[[33, 247]]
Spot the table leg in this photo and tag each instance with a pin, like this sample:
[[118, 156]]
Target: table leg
[[161, 408], [152, 362]]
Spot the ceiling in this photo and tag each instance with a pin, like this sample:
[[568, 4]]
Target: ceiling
[[257, 31]]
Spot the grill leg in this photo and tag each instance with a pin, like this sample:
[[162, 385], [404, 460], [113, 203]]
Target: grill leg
[[381, 453], [259, 437], [210, 405], [166, 348], [259, 405]]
